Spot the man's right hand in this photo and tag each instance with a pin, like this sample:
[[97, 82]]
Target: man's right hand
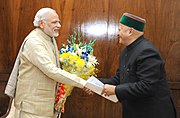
[[88, 91]]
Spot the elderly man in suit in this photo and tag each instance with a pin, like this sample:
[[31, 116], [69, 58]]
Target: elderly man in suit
[[37, 70], [140, 82]]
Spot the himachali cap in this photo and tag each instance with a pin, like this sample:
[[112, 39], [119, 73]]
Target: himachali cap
[[133, 21]]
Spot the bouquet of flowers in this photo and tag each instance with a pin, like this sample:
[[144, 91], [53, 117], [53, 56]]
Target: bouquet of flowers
[[76, 58]]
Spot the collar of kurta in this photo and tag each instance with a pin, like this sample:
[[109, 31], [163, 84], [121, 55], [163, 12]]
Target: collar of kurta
[[133, 44], [44, 35]]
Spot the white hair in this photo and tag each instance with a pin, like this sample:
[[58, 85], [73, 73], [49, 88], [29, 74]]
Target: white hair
[[40, 15]]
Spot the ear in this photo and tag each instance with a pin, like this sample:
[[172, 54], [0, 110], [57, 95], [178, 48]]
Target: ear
[[41, 24], [131, 31]]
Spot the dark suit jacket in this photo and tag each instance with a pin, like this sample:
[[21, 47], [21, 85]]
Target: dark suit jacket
[[141, 84]]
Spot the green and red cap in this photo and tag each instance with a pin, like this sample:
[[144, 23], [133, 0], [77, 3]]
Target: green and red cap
[[133, 21]]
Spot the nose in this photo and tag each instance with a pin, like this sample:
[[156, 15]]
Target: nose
[[118, 35], [58, 24]]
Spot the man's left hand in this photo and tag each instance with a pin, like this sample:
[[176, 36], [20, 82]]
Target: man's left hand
[[108, 90]]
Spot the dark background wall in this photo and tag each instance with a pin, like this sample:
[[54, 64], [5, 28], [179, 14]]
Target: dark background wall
[[95, 19]]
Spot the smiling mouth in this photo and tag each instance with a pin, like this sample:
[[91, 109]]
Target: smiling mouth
[[56, 30]]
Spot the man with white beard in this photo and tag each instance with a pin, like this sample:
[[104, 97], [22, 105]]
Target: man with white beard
[[34, 78]]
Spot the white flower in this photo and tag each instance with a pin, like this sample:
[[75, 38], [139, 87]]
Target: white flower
[[92, 60], [89, 64], [74, 53], [79, 50]]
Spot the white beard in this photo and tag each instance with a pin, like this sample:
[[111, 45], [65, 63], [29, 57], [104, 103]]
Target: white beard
[[50, 32]]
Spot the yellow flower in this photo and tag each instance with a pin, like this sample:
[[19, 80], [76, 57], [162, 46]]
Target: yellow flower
[[64, 55], [91, 68], [73, 58], [71, 62], [80, 63]]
